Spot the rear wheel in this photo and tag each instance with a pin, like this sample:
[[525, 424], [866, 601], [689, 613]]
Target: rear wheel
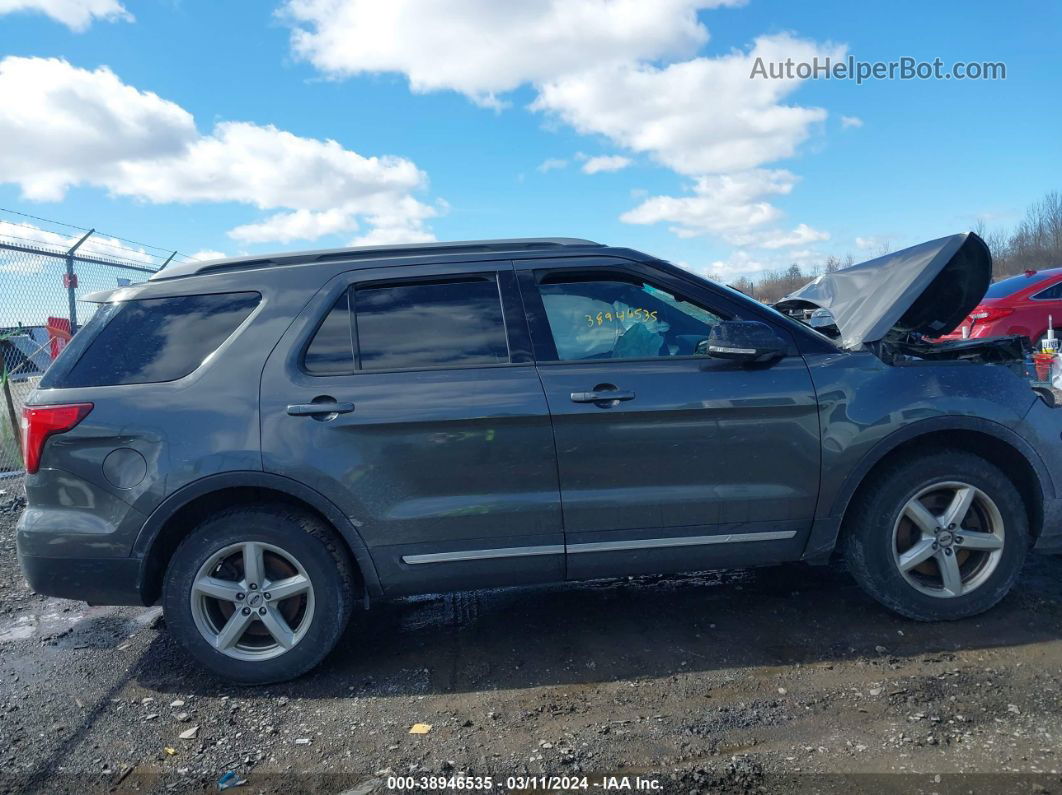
[[259, 594], [936, 537]]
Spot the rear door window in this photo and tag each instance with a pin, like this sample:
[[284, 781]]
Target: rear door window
[[150, 340], [444, 323]]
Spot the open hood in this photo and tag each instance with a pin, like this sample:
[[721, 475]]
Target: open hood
[[927, 289]]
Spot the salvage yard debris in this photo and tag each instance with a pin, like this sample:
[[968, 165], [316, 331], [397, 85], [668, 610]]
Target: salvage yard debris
[[230, 780]]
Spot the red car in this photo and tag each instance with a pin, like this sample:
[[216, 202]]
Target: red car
[[1019, 304]]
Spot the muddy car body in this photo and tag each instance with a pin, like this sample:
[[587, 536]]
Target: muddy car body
[[261, 443]]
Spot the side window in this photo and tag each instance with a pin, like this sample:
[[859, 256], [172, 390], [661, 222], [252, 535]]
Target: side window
[[430, 324], [611, 317], [150, 340], [1052, 293], [331, 351]]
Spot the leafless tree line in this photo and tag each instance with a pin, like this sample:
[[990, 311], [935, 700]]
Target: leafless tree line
[[1034, 244]]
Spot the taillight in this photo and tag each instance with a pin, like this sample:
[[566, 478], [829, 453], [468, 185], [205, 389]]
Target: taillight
[[40, 422], [990, 314]]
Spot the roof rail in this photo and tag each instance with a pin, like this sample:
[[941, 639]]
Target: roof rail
[[375, 252]]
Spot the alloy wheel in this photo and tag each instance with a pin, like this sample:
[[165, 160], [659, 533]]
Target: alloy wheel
[[252, 601], [948, 539]]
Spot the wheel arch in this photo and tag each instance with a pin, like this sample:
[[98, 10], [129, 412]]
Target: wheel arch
[[176, 516], [990, 440]]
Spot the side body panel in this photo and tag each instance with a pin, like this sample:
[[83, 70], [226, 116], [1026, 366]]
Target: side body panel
[[449, 473], [709, 463]]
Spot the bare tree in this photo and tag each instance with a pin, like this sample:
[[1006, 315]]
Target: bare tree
[[1034, 244]]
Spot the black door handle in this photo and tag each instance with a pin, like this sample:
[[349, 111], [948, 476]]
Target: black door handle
[[314, 409], [602, 396]]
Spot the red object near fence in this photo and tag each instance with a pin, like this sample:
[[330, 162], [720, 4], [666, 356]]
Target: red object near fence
[[58, 334]]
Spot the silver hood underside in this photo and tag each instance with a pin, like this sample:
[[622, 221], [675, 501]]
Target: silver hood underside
[[926, 289]]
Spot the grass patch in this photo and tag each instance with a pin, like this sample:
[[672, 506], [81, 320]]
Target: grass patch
[[10, 455]]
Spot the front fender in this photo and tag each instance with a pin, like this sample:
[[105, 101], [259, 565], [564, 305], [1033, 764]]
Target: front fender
[[868, 408]]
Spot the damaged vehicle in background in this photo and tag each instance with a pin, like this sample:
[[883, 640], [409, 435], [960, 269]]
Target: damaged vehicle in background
[[378, 422]]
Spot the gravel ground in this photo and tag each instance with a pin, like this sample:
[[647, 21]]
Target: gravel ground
[[784, 679]]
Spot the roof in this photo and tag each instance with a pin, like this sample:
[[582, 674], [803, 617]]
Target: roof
[[501, 246]]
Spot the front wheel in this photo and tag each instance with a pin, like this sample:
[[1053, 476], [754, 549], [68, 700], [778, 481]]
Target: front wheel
[[259, 594], [937, 537]]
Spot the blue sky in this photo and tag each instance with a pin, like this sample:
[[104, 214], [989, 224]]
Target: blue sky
[[723, 175]]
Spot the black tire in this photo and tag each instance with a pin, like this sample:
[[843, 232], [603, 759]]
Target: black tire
[[868, 540], [310, 542]]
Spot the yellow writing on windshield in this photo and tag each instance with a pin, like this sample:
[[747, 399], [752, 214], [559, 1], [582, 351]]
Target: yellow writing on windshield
[[637, 315]]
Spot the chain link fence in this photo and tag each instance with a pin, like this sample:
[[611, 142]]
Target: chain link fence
[[40, 284]]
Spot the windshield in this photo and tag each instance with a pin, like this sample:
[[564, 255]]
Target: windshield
[[779, 314]]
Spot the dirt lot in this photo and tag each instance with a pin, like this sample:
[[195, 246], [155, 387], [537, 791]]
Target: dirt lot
[[768, 680]]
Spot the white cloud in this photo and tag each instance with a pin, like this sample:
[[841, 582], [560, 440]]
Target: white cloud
[[696, 117], [551, 164], [851, 121], [610, 68], [743, 263], [595, 165], [77, 15], [400, 222], [483, 48], [872, 243], [730, 206], [739, 263], [296, 225], [208, 253], [705, 118], [800, 236], [63, 126]]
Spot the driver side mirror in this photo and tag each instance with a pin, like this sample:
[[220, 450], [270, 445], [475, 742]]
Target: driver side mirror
[[743, 341]]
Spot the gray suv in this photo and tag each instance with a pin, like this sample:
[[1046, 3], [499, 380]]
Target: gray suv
[[260, 443]]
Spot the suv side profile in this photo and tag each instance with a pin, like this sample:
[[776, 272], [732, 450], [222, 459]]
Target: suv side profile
[[260, 443]]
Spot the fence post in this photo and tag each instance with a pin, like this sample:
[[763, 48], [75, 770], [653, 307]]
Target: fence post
[[16, 426], [71, 281]]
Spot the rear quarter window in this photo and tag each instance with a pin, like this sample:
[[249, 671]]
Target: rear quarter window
[[149, 340]]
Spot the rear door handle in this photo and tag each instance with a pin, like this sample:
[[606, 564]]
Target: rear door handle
[[313, 409], [602, 396]]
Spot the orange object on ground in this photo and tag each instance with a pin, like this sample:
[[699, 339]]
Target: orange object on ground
[[1043, 365]]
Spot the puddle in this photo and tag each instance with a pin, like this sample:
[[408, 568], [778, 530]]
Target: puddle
[[75, 625]]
